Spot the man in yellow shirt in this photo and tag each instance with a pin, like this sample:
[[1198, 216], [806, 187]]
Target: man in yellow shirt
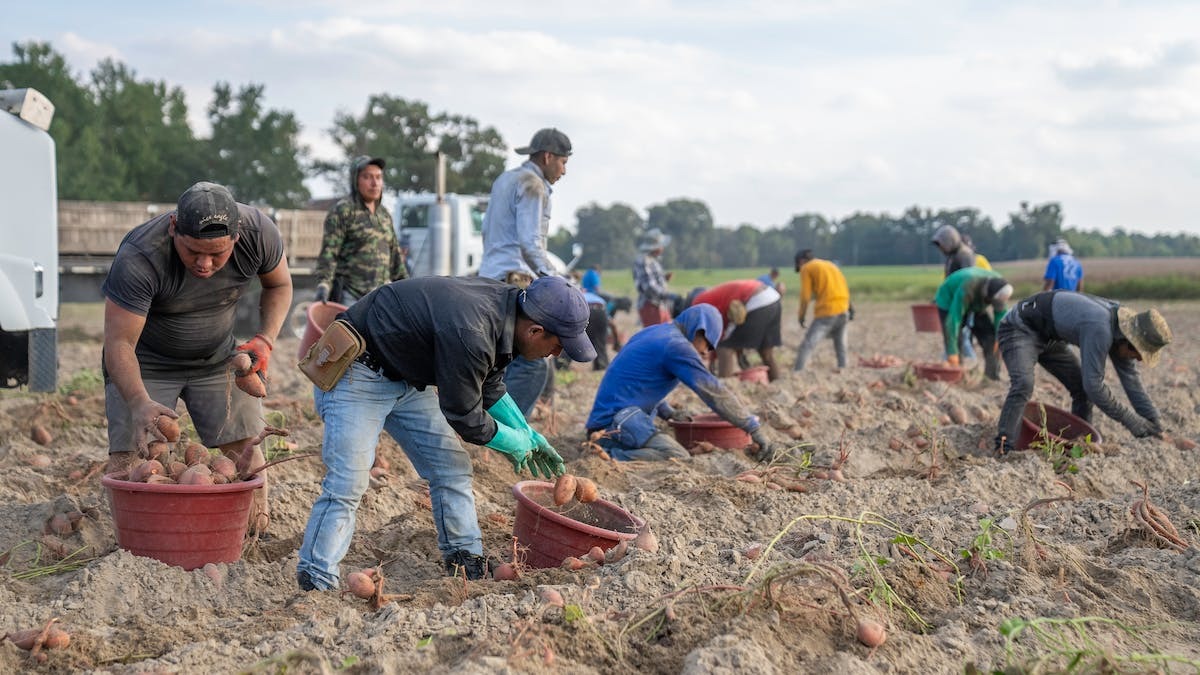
[[824, 284]]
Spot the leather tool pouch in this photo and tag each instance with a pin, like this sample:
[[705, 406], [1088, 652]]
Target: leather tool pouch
[[330, 356]]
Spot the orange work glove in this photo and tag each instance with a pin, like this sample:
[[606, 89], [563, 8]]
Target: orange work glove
[[259, 348], [952, 360]]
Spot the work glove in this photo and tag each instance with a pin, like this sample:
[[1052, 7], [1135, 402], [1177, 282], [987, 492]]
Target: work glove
[[766, 449], [322, 294], [802, 322], [850, 313], [514, 444], [259, 348], [545, 461], [1156, 427], [952, 360], [505, 411], [679, 416], [752, 425], [1140, 428]]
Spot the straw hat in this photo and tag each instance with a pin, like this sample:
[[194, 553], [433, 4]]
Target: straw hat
[[1147, 331], [653, 239]]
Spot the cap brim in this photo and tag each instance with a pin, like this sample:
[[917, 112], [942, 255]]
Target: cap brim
[[524, 150], [579, 348]]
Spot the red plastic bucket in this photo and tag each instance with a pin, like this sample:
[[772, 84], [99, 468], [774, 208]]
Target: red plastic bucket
[[184, 525], [926, 319], [320, 315], [759, 374], [1061, 425], [711, 428], [551, 533], [938, 372]]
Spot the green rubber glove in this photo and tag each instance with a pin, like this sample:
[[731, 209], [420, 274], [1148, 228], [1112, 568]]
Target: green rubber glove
[[512, 443], [545, 458], [506, 411]]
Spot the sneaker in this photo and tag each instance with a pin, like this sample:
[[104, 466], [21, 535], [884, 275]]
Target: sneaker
[[464, 562], [304, 580]]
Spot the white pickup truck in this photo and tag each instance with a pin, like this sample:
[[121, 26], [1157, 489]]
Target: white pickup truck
[[28, 242]]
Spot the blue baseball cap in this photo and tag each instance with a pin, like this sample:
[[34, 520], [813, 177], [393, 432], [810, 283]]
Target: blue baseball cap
[[561, 309]]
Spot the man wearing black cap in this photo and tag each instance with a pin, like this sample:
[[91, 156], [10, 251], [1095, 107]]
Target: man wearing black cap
[[514, 239], [455, 334], [1038, 331], [170, 300], [359, 250]]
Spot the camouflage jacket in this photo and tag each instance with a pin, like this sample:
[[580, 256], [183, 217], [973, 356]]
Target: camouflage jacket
[[359, 249]]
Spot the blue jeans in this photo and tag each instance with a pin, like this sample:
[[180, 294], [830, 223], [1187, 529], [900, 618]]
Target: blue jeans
[[836, 327], [633, 436], [525, 379], [1022, 350], [362, 404]]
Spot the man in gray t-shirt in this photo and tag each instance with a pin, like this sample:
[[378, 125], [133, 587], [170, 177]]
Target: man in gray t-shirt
[[170, 301]]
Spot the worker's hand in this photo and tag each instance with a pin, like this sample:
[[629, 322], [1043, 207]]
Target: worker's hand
[[545, 460], [515, 444], [952, 360], [766, 449], [668, 275], [145, 416], [1140, 428], [752, 425], [802, 322], [259, 348], [680, 416], [1156, 428], [850, 313], [322, 294]]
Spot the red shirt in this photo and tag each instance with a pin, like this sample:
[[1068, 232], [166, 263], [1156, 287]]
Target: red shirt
[[721, 295]]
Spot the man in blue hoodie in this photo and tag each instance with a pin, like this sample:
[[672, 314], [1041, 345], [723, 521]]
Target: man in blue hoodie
[[646, 370]]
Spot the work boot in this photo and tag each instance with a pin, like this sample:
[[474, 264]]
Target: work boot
[[305, 582], [466, 563], [120, 461], [991, 366]]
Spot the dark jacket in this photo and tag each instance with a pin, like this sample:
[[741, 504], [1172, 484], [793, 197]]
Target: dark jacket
[[455, 333]]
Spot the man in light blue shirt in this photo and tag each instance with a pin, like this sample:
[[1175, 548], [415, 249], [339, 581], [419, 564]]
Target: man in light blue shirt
[[514, 240]]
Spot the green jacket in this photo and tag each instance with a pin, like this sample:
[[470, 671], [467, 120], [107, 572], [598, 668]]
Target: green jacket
[[963, 293], [359, 249]]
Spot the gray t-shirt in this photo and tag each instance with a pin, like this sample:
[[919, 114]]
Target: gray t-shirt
[[189, 321]]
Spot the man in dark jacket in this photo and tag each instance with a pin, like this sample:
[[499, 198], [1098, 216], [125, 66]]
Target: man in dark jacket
[[958, 253], [1039, 330], [455, 334], [359, 250]]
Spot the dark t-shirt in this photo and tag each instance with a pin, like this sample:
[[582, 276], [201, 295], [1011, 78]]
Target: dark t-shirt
[[189, 321]]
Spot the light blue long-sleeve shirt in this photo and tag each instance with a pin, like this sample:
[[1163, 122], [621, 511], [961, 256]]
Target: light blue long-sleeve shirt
[[516, 224]]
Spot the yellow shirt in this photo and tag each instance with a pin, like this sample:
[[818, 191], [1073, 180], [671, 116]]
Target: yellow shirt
[[981, 261], [822, 280]]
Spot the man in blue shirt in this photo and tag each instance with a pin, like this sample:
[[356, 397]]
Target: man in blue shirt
[[646, 370], [1063, 271], [514, 240]]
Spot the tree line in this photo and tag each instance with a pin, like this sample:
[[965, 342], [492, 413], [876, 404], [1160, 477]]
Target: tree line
[[122, 138]]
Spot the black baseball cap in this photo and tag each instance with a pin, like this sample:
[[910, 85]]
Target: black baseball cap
[[549, 140], [207, 211]]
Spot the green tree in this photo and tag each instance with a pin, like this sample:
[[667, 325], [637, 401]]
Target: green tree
[[690, 224], [255, 152], [144, 127], [1030, 231], [408, 136], [608, 235]]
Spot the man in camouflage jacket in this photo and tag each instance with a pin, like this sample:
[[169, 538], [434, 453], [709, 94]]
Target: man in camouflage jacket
[[359, 251]]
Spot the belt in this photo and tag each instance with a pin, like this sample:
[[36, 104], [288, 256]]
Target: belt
[[368, 360]]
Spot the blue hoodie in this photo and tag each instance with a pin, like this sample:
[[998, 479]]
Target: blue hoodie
[[654, 361]]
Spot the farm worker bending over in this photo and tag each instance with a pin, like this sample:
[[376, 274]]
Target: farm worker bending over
[[433, 371], [822, 281], [1063, 271], [514, 242], [359, 250], [169, 306], [646, 370], [752, 311], [1039, 329], [969, 292], [654, 299]]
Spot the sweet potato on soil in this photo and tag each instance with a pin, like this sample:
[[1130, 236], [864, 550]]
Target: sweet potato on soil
[[40, 435], [56, 638]]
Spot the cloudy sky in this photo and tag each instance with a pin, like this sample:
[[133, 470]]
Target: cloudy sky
[[760, 109]]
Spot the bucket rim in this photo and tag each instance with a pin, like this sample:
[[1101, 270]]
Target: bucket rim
[[1035, 426], [702, 421], [116, 481], [555, 517]]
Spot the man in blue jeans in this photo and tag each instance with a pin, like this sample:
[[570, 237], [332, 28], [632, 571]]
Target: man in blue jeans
[[654, 361], [1039, 330], [455, 334]]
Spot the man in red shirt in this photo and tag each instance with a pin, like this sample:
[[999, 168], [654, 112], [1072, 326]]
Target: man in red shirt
[[752, 313]]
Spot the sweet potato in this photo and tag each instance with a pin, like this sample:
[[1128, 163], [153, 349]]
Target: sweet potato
[[564, 489], [140, 472], [168, 427], [870, 632], [195, 453], [56, 638], [198, 474], [40, 435], [59, 524], [506, 572], [223, 466], [252, 384], [360, 585], [585, 490], [646, 540], [155, 449]]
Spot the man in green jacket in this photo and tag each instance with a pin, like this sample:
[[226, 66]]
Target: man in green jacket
[[971, 291]]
